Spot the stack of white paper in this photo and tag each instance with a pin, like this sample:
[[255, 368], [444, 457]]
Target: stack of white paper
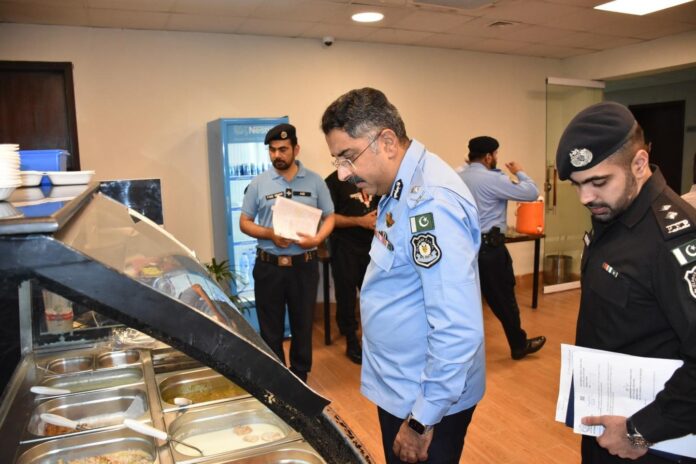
[[606, 383], [291, 217]]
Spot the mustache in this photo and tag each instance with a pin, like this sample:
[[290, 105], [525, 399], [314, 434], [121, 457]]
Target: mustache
[[594, 204], [280, 164], [355, 180]]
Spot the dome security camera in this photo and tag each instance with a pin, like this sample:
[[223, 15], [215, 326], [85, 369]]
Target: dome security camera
[[327, 40]]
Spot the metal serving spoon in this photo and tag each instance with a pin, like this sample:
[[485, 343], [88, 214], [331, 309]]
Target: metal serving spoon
[[157, 433]]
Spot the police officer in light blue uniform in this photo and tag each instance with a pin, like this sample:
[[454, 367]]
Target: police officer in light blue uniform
[[423, 351], [492, 190], [286, 272]]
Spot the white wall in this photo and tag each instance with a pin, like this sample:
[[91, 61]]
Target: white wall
[[144, 97]]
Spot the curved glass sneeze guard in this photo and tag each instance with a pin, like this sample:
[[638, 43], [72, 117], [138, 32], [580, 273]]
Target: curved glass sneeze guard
[[111, 233]]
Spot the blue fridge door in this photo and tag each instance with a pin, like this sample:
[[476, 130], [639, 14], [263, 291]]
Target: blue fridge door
[[245, 156]]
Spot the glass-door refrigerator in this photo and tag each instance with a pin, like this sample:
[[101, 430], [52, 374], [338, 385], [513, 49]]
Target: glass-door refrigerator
[[237, 154]]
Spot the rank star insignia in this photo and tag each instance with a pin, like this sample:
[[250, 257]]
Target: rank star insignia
[[671, 215], [426, 252], [580, 157], [665, 207], [690, 277]]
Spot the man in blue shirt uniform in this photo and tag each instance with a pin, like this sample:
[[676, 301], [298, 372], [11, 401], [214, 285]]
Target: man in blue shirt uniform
[[492, 189], [286, 271], [423, 351]]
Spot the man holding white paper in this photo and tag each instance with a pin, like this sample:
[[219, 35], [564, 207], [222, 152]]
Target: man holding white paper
[[286, 271], [638, 276]]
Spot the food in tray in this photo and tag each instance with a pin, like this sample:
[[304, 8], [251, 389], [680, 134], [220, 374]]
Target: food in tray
[[225, 440], [51, 430], [118, 457], [202, 392]]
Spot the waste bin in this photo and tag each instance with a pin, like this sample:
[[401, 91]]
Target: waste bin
[[557, 269]]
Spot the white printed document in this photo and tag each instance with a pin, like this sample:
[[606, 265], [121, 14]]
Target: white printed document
[[291, 217], [606, 383]]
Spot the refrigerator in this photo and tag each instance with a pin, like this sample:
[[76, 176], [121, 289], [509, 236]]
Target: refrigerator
[[237, 154]]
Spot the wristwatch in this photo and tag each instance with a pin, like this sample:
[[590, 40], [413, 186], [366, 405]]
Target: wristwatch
[[416, 426], [635, 437]]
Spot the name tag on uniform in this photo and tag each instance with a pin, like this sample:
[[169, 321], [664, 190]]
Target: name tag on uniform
[[302, 194], [273, 196]]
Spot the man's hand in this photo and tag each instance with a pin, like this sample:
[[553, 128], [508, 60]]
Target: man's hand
[[307, 241], [513, 167], [281, 242], [614, 438], [410, 446], [369, 220]]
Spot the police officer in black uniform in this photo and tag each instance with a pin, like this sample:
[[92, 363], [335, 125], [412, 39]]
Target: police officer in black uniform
[[638, 275], [355, 213]]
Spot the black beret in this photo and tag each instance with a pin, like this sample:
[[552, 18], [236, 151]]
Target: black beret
[[483, 144], [593, 135], [281, 132]]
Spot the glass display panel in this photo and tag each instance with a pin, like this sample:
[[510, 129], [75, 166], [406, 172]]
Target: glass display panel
[[124, 240]]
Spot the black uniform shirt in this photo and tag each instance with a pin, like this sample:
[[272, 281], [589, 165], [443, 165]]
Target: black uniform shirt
[[639, 298], [350, 201]]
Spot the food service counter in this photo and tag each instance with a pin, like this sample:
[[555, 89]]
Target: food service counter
[[131, 353]]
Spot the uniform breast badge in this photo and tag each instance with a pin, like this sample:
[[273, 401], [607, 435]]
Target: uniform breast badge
[[426, 253], [390, 220]]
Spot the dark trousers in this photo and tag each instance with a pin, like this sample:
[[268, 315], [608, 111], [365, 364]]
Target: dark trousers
[[348, 266], [448, 436], [498, 287], [592, 453], [295, 286]]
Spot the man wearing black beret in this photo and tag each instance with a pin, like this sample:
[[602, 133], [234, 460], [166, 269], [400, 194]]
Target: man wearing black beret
[[638, 275], [492, 189], [286, 272]]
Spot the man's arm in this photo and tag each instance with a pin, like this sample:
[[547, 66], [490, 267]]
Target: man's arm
[[309, 242], [249, 227], [366, 221], [525, 190]]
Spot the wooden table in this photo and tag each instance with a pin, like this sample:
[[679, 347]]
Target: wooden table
[[510, 237], [514, 237]]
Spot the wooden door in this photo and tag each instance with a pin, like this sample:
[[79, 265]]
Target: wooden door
[[37, 107]]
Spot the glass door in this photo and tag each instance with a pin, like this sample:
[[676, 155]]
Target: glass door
[[566, 219]]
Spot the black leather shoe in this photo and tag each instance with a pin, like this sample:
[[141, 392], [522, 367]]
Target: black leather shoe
[[532, 346], [353, 349]]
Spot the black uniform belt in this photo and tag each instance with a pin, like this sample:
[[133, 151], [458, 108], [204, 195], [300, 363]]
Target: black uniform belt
[[286, 260], [493, 238]]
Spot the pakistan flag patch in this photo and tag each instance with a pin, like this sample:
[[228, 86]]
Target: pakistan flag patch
[[422, 223]]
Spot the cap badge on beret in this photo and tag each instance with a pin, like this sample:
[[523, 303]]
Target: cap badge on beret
[[283, 135], [580, 157]]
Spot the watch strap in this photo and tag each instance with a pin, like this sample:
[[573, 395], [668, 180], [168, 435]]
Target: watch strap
[[634, 436], [416, 426]]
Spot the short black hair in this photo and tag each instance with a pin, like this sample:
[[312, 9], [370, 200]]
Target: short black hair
[[361, 112]]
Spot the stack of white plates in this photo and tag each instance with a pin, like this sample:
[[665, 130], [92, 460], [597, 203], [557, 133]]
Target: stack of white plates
[[9, 169]]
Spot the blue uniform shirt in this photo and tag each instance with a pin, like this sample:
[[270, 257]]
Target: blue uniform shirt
[[306, 187], [423, 350], [492, 189]]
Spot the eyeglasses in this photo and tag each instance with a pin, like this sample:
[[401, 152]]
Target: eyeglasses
[[348, 162]]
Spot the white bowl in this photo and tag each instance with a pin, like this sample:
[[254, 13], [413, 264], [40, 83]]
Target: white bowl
[[31, 178], [5, 192], [69, 177]]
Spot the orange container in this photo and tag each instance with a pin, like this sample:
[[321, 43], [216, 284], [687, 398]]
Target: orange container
[[530, 218]]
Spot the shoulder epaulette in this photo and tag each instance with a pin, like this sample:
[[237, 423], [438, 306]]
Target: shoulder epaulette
[[674, 216]]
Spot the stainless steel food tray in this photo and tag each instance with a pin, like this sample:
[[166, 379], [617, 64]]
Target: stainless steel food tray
[[298, 452], [84, 446], [95, 380], [186, 425], [104, 409], [194, 384]]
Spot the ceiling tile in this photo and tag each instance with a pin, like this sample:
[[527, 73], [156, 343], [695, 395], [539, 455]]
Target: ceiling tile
[[683, 13], [42, 14], [643, 27], [273, 27], [337, 31], [127, 19], [239, 8], [449, 41], [593, 40], [539, 34], [293, 10], [139, 5], [481, 27], [498, 46], [396, 36], [55, 3], [529, 11], [431, 21], [551, 51], [203, 23]]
